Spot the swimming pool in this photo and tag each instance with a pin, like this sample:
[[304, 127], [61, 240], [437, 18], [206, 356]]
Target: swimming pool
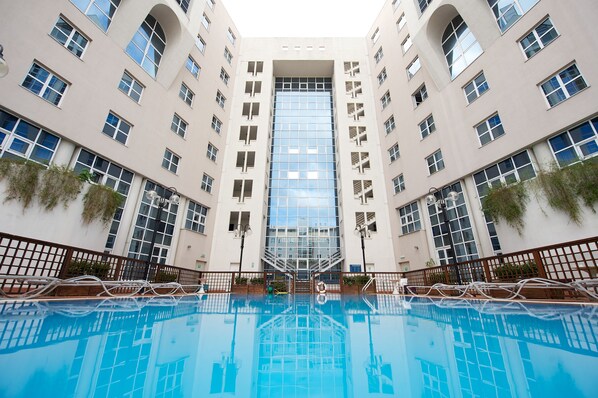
[[220, 345]]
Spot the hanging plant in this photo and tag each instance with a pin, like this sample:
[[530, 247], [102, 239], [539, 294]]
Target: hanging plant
[[100, 203], [583, 178], [507, 203], [559, 192], [59, 184], [22, 180]]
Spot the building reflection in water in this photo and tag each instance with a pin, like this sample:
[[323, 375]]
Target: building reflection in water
[[218, 346]]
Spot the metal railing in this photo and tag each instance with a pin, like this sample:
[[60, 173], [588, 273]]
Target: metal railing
[[564, 262]]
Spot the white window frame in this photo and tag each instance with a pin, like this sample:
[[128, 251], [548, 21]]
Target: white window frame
[[46, 89], [562, 86], [171, 161], [379, 55], [130, 87], [178, 125], [205, 21], [389, 124], [195, 219], [394, 153], [413, 68], [427, 126], [382, 76], [228, 56], [212, 152], [576, 146], [193, 67], [401, 22], [486, 128], [118, 128], [476, 87], [375, 36], [216, 124], [398, 184], [385, 100], [406, 44], [211, 3], [422, 93], [70, 42], [220, 99], [231, 36], [224, 76], [410, 218], [207, 183], [186, 94], [537, 38], [437, 162], [200, 43]]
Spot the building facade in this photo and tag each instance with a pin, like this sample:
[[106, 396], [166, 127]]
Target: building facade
[[323, 148]]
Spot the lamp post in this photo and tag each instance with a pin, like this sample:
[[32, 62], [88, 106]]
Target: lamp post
[[440, 202], [242, 231], [363, 232], [162, 202], [3, 63]]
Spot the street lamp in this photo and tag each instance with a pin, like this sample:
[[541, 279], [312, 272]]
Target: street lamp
[[3, 63], [440, 203], [162, 202], [241, 232], [363, 231]]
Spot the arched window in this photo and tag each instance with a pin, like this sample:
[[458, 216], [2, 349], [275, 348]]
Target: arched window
[[460, 46], [147, 46]]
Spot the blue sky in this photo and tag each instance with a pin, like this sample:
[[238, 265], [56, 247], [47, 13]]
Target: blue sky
[[303, 18]]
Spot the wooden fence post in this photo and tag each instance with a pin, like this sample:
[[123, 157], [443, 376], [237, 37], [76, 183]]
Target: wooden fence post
[[117, 270], [62, 272], [487, 274], [539, 264]]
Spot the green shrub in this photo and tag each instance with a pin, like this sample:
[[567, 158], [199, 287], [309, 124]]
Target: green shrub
[[528, 269], [257, 281], [506, 203], [439, 277], [164, 277], [279, 286], [358, 280], [240, 280], [85, 267]]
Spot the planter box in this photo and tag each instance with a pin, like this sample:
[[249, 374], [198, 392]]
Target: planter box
[[351, 289], [255, 289], [69, 291]]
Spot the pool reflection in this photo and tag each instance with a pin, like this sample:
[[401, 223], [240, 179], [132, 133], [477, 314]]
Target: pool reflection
[[285, 346]]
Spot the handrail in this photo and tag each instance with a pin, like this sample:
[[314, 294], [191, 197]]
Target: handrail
[[368, 284]]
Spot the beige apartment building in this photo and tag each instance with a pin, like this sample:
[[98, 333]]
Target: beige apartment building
[[301, 149]]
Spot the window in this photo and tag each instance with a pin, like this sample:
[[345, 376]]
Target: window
[[220, 99], [475, 88], [563, 85], [389, 124], [375, 36], [227, 55], [186, 94], [379, 54], [147, 46], [490, 129], [184, 4], [211, 3], [401, 22], [116, 128], [224, 76], [427, 127], [192, 66], [394, 153], [170, 161], [413, 68], [382, 76], [423, 4], [178, 125], [216, 124], [507, 12], [212, 152], [398, 183], [69, 37], [130, 86], [410, 221], [395, 4], [45, 84], [460, 46], [385, 100], [578, 143], [420, 95], [109, 174], [406, 45], [231, 36], [20, 139], [201, 44], [100, 12], [538, 38], [435, 162], [206, 183], [205, 21], [196, 217]]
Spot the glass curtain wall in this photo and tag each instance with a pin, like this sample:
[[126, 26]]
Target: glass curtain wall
[[303, 222]]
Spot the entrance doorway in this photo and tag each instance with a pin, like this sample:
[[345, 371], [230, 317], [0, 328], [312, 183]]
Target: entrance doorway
[[302, 269]]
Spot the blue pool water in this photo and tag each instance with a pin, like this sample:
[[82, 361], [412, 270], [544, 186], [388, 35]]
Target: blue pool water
[[302, 346]]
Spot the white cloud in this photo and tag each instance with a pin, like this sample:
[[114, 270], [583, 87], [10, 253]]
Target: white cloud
[[303, 18]]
